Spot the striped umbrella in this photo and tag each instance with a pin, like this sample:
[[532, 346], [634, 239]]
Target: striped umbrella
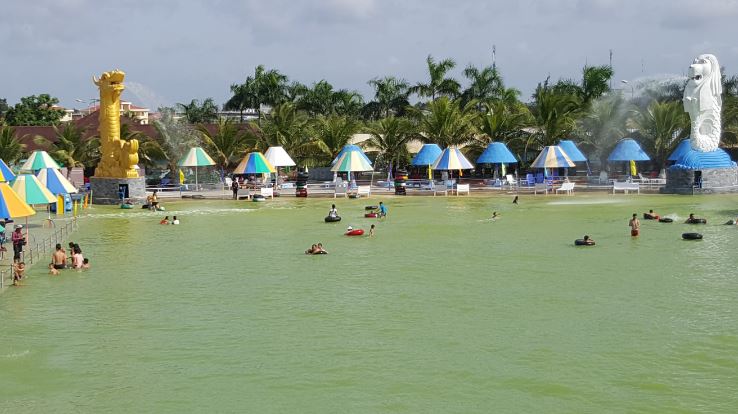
[[5, 173], [30, 190], [39, 160], [254, 163], [11, 205], [571, 149], [55, 182], [351, 161], [452, 159], [350, 148], [427, 155], [552, 157], [196, 157]]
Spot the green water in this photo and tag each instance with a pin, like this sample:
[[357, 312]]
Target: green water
[[443, 311]]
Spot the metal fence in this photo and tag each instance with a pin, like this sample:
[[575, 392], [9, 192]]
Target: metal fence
[[35, 248]]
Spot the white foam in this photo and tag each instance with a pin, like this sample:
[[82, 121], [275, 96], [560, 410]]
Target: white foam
[[584, 202], [16, 355]]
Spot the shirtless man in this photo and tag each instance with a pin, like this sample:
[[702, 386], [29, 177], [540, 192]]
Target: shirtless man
[[59, 258], [635, 225]]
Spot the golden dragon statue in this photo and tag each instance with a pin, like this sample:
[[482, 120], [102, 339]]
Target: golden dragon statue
[[118, 157]]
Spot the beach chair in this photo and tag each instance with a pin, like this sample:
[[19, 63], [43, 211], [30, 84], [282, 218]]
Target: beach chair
[[539, 178], [462, 188], [227, 182], [364, 191], [340, 188], [603, 177], [267, 192], [439, 188], [529, 180], [511, 181], [568, 188], [540, 187]]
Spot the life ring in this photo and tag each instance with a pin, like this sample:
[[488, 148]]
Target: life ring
[[696, 221], [371, 215], [581, 242], [371, 207], [649, 216], [332, 219], [126, 206], [355, 232], [691, 236], [665, 220]]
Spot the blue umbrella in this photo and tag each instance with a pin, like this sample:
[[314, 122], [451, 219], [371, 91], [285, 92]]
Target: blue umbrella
[[497, 153], [570, 148], [681, 149], [628, 150], [427, 155]]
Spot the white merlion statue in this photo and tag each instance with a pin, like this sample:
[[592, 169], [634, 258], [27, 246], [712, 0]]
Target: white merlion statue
[[703, 101]]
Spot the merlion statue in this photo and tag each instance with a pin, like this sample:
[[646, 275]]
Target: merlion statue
[[703, 101], [118, 157]]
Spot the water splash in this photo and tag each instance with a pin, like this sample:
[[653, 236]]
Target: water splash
[[146, 96]]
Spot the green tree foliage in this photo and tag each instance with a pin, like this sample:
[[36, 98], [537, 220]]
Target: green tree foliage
[[602, 126], [438, 84], [390, 98], [174, 138], [445, 123], [291, 129], [11, 148], [502, 123], [35, 110], [227, 143], [3, 109], [389, 138], [322, 99], [661, 127], [334, 132], [554, 114], [197, 113], [265, 88], [72, 148]]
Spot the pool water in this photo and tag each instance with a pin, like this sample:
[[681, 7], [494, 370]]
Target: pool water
[[444, 310]]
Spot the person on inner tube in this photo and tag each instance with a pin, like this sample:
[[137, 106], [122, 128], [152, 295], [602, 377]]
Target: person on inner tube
[[653, 215], [588, 241], [693, 219], [333, 213]]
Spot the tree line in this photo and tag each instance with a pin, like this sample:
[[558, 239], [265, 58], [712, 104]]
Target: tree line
[[313, 122]]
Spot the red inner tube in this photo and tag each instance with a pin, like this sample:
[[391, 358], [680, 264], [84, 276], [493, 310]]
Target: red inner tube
[[355, 232], [370, 215]]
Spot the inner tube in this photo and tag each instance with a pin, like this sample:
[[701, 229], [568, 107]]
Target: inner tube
[[258, 197], [371, 215], [691, 236], [329, 219], [665, 220], [730, 222], [355, 232], [353, 196], [697, 221], [371, 207], [126, 206], [581, 242], [649, 216], [320, 252]]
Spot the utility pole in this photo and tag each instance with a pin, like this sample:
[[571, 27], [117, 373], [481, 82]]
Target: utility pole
[[611, 68], [494, 57]]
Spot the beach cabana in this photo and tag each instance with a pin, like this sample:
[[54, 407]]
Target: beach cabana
[[278, 157], [39, 160], [681, 149], [350, 148], [452, 159], [628, 150], [497, 153], [55, 182], [254, 163], [552, 157], [6, 174], [427, 155], [196, 157], [31, 191], [576, 155]]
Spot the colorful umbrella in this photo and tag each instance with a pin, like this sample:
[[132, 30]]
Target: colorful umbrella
[[254, 163], [351, 161], [571, 149], [11, 205], [55, 182], [39, 160], [30, 190], [196, 157], [451, 159], [5, 173], [552, 157], [350, 148]]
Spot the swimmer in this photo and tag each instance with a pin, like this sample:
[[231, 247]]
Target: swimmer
[[175, 220], [59, 258], [515, 200], [588, 241], [321, 250], [312, 249], [382, 210], [52, 270], [651, 215], [635, 226], [19, 269], [495, 216], [371, 231], [333, 212], [85, 263], [165, 220]]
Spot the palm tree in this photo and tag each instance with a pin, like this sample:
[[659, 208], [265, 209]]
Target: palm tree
[[196, 113], [71, 148], [603, 125], [289, 128], [266, 87], [347, 103], [389, 137], [499, 122], [662, 126], [317, 100], [226, 143], [554, 116], [595, 82], [438, 84], [485, 84], [445, 123], [11, 149], [334, 132], [174, 138], [390, 98]]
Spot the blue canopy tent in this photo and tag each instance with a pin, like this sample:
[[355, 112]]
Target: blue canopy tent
[[628, 150], [427, 155], [571, 149], [680, 150], [497, 153]]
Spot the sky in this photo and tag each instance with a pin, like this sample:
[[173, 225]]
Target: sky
[[175, 51]]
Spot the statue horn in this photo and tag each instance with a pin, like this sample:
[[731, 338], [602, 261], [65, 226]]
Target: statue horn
[[95, 80]]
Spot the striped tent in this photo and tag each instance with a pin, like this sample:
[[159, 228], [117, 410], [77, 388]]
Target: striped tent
[[571, 149], [11, 205], [254, 163], [452, 159], [39, 160], [30, 190], [552, 157], [350, 148], [55, 182], [195, 157], [351, 161], [5, 173]]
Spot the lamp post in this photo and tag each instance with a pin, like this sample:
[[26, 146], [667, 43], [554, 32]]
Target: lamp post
[[632, 92], [90, 103]]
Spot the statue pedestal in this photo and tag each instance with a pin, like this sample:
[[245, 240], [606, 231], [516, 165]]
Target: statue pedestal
[[702, 173], [107, 190]]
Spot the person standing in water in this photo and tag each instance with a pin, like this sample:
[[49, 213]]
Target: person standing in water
[[59, 258], [515, 200], [175, 220], [635, 225], [382, 210], [371, 231], [234, 188]]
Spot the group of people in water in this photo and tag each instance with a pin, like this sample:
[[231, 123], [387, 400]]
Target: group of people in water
[[61, 259], [379, 211], [166, 220]]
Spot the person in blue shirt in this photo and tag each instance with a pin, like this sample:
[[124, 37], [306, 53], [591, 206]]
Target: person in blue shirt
[[382, 210]]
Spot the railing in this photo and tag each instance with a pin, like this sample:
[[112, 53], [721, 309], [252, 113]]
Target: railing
[[34, 248]]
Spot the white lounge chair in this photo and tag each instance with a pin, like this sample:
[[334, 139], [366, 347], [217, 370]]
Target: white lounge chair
[[566, 187], [438, 188], [227, 182], [540, 187], [511, 181], [462, 188], [267, 192], [625, 187], [364, 191]]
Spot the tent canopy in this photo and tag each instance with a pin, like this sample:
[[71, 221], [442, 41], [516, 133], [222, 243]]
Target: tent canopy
[[350, 148], [39, 160], [11, 205], [628, 150], [452, 159], [571, 149], [552, 157], [30, 190], [680, 150], [278, 157], [196, 157], [351, 161], [5, 173], [497, 153], [52, 179], [427, 155], [254, 163]]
